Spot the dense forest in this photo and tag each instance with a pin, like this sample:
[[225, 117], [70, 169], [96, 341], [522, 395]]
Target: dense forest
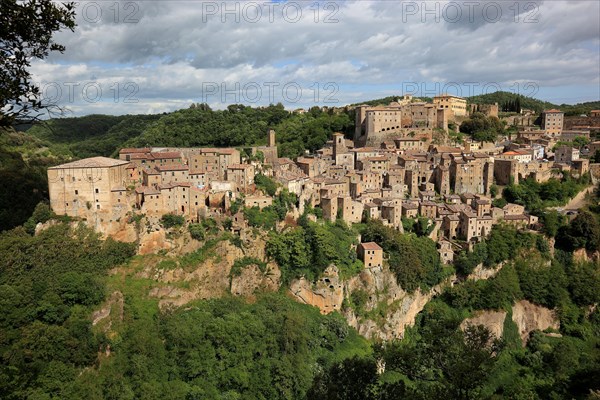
[[237, 125], [275, 348]]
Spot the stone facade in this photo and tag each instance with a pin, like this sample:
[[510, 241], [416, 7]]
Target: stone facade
[[89, 188], [552, 121]]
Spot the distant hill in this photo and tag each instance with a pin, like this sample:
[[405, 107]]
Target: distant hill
[[236, 126], [534, 104], [505, 97], [93, 135]]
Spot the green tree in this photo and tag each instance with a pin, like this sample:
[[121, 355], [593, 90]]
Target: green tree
[[26, 30]]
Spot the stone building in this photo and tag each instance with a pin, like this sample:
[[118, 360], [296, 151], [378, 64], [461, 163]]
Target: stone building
[[212, 162], [456, 104], [87, 187], [566, 154], [242, 175], [371, 254], [398, 119], [473, 174], [507, 171], [552, 121]]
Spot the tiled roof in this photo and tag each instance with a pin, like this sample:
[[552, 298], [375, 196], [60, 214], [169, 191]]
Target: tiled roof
[[162, 155], [239, 166], [371, 246], [93, 162], [172, 167], [135, 150]]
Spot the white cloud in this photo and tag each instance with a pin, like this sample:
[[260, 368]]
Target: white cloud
[[176, 49]]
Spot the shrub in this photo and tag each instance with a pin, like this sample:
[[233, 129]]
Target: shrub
[[171, 220], [196, 231]]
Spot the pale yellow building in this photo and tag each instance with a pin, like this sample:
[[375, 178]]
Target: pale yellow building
[[89, 186], [456, 104], [552, 121]]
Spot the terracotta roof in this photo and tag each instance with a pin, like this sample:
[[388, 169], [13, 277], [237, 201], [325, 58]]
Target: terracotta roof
[[171, 185], [239, 166], [553, 111], [303, 160], [380, 158], [135, 150], [283, 161], [165, 155], [149, 171], [172, 167], [447, 149], [141, 156], [93, 162], [371, 246], [146, 190], [516, 217]]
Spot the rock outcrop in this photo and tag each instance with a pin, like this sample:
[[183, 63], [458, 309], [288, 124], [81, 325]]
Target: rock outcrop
[[396, 309], [484, 273], [530, 317], [327, 294], [492, 320], [212, 277], [253, 280], [113, 305], [527, 316]]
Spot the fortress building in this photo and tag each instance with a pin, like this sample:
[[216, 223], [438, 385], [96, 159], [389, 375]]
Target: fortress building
[[93, 186]]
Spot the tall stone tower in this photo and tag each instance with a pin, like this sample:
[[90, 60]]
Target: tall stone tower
[[270, 138], [339, 144]]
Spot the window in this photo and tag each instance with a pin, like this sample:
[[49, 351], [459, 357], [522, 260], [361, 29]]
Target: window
[[98, 206], [77, 192], [97, 191]]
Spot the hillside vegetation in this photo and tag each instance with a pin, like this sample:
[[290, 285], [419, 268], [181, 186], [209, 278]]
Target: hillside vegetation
[[505, 98], [236, 126]]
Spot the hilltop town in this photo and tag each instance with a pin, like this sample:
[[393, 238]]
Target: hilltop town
[[404, 163]]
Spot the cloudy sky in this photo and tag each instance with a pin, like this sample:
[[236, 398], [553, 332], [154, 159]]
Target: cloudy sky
[[128, 57]]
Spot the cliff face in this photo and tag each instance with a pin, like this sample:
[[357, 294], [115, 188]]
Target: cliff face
[[387, 311], [527, 316], [327, 294], [530, 317], [372, 301], [212, 277]]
